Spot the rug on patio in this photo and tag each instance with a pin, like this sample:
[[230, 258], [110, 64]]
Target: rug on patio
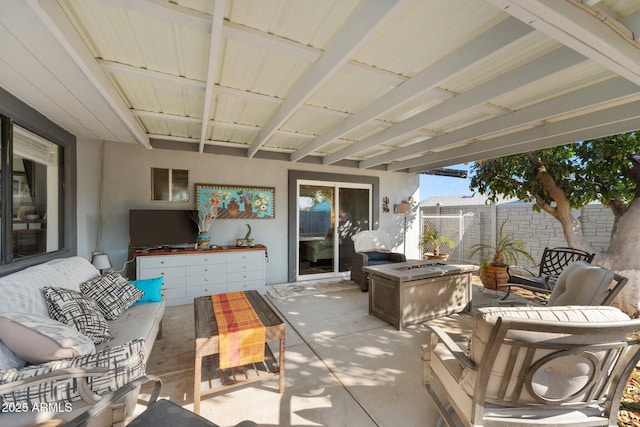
[[309, 287]]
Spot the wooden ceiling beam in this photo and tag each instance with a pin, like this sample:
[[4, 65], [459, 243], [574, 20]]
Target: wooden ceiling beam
[[364, 24], [544, 66], [481, 48]]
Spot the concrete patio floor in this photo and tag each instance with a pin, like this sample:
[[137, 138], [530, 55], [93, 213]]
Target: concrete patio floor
[[343, 366]]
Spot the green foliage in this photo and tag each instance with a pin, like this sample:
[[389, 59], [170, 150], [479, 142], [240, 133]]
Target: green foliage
[[506, 251], [585, 171], [433, 238]]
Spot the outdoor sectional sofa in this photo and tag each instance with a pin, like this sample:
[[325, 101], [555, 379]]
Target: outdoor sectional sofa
[[83, 370]]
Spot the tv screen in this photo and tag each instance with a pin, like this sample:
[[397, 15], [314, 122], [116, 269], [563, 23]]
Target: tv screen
[[154, 227]]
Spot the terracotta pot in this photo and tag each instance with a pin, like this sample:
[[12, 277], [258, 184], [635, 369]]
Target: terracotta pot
[[493, 277], [428, 255]]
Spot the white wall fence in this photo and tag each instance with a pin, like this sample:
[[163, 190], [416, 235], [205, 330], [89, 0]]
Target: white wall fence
[[469, 225]]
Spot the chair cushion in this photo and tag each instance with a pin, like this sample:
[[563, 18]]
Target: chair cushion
[[581, 283], [371, 240], [125, 363], [566, 371], [375, 256], [39, 339]]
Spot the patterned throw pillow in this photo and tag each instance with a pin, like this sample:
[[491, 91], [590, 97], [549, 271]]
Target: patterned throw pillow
[[112, 292], [73, 308], [125, 363]]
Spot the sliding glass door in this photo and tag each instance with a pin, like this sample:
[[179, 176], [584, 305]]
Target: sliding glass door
[[328, 214]]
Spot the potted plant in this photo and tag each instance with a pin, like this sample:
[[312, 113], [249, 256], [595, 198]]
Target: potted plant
[[433, 239], [493, 270]]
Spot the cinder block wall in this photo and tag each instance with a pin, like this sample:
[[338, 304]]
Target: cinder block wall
[[536, 229]]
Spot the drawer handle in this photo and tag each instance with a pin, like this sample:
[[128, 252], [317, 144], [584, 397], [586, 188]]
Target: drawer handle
[[161, 262]]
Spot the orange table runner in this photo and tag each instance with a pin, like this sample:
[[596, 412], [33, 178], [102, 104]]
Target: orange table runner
[[242, 334]]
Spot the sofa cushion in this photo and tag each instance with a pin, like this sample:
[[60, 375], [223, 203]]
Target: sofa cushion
[[565, 370], [8, 359], [581, 283], [73, 308], [125, 363], [152, 289], [139, 321], [113, 293], [39, 339]]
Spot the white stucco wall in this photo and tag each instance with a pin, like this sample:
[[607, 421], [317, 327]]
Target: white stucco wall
[[127, 185], [88, 195]]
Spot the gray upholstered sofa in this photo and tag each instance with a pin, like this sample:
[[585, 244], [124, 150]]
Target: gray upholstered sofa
[[72, 384]]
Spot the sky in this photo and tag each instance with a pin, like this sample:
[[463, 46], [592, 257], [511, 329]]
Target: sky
[[433, 185]]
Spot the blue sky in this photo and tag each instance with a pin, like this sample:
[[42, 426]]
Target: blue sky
[[433, 185]]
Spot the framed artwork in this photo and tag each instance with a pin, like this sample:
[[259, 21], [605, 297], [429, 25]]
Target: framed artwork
[[237, 202]]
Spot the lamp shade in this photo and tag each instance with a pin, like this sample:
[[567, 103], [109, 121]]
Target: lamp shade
[[101, 261]]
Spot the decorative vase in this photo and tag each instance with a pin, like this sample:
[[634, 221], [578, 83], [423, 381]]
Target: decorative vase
[[203, 240], [233, 209]]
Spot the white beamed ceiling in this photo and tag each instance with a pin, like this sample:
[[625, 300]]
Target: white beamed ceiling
[[400, 85]]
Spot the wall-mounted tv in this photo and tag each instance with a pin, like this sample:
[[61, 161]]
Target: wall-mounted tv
[[155, 227]]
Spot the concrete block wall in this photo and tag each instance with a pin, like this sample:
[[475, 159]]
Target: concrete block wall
[[536, 229]]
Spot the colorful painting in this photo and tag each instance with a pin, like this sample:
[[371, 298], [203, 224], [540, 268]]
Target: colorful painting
[[236, 202]]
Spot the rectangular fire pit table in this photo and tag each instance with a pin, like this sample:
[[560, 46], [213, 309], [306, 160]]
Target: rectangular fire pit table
[[415, 291], [207, 348]]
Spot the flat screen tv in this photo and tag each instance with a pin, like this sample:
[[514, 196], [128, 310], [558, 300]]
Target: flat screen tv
[[155, 227]]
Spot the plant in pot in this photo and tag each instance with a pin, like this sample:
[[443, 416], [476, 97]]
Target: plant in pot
[[493, 270], [433, 239]]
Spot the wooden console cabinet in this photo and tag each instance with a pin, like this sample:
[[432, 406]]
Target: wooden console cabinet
[[189, 274]]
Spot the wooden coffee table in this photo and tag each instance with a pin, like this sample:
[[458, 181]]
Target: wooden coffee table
[[207, 349]]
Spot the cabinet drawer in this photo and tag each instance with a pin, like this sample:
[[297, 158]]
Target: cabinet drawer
[[150, 273], [173, 293], [145, 262], [202, 280], [246, 286], [242, 276], [206, 259], [238, 267], [206, 270], [243, 257], [200, 291]]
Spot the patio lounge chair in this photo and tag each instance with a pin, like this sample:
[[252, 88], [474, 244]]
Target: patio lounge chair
[[533, 366], [581, 283], [553, 261], [372, 247]]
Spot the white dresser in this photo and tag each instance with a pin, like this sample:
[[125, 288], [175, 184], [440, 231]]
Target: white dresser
[[190, 274]]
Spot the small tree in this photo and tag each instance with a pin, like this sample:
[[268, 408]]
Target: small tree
[[560, 179]]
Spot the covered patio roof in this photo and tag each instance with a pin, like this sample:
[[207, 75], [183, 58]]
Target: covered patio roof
[[399, 85]]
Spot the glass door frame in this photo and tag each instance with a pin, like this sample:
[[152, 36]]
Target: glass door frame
[[337, 185]]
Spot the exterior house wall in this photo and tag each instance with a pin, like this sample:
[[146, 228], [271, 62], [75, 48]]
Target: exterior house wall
[[127, 185]]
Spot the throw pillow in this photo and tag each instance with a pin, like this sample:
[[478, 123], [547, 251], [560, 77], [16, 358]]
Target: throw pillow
[[39, 339], [152, 289], [112, 292], [73, 308]]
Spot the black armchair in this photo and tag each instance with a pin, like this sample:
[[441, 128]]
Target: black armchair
[[372, 247]]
